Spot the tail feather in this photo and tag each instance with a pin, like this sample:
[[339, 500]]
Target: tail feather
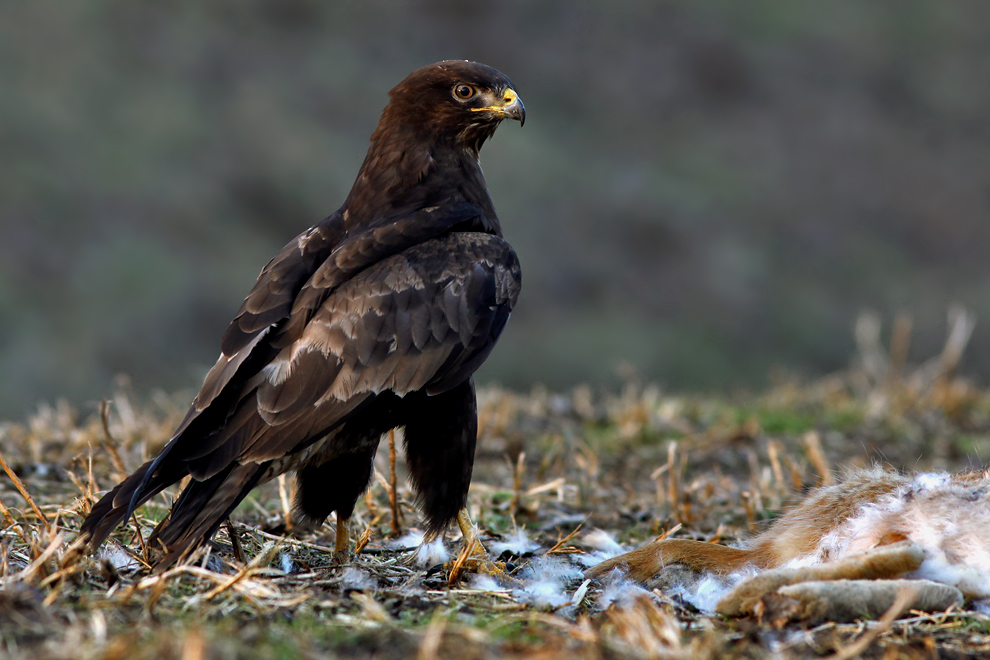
[[644, 562], [201, 508], [114, 507]]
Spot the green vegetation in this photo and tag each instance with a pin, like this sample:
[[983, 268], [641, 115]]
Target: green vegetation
[[559, 465]]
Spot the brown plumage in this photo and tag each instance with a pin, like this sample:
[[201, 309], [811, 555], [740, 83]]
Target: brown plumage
[[373, 319]]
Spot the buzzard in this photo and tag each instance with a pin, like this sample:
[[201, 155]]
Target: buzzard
[[375, 318]]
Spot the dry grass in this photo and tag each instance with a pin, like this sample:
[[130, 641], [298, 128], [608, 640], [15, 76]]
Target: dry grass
[[637, 464]]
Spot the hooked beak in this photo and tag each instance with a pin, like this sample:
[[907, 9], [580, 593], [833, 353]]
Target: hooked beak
[[513, 107], [510, 107]]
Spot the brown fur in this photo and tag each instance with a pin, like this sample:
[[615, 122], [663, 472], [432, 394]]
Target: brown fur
[[646, 561], [918, 510], [797, 533], [877, 564]]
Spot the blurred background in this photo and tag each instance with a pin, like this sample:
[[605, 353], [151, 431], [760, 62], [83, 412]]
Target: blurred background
[[708, 191]]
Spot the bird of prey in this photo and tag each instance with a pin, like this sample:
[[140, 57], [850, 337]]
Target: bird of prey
[[373, 319]]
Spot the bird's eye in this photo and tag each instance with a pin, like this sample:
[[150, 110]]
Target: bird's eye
[[464, 92]]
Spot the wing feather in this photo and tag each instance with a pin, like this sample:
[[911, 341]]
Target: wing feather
[[373, 333], [330, 365], [296, 282], [272, 297]]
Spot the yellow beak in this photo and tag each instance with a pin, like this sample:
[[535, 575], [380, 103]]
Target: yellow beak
[[510, 107]]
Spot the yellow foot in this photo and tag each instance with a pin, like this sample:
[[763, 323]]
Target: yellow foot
[[473, 555], [342, 550]]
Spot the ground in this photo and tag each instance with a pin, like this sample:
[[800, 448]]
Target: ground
[[559, 478]]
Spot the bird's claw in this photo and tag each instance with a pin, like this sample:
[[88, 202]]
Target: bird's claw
[[474, 558]]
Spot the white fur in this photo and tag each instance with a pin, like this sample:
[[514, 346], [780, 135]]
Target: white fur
[[619, 591], [545, 582], [355, 579], [119, 559], [432, 553], [518, 543], [483, 582], [948, 518], [427, 554], [603, 542]]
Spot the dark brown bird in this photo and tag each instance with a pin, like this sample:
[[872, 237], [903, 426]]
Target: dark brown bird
[[373, 319]]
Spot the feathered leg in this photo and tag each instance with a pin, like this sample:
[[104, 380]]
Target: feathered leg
[[332, 486], [440, 437]]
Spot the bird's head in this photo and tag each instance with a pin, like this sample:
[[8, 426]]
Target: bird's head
[[455, 100]]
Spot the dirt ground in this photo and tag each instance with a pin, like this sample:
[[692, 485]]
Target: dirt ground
[[559, 478]]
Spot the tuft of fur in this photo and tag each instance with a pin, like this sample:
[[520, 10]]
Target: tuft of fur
[[545, 581], [518, 543]]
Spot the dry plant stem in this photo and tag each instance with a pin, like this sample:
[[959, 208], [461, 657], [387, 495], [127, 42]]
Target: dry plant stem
[[961, 324], [747, 502], [867, 333], [153, 581], [432, 638], [797, 475], [816, 455], [235, 542], [283, 496], [8, 520], [900, 342], [364, 538], [883, 625], [23, 491], [556, 484], [193, 646], [673, 530], [29, 571], [773, 450], [88, 497], [288, 541], [262, 557], [111, 445], [517, 479], [754, 469], [370, 608], [106, 623], [657, 477], [91, 484], [645, 628], [393, 491], [687, 515], [137, 532], [369, 497], [157, 591], [558, 547], [68, 567], [673, 489]]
